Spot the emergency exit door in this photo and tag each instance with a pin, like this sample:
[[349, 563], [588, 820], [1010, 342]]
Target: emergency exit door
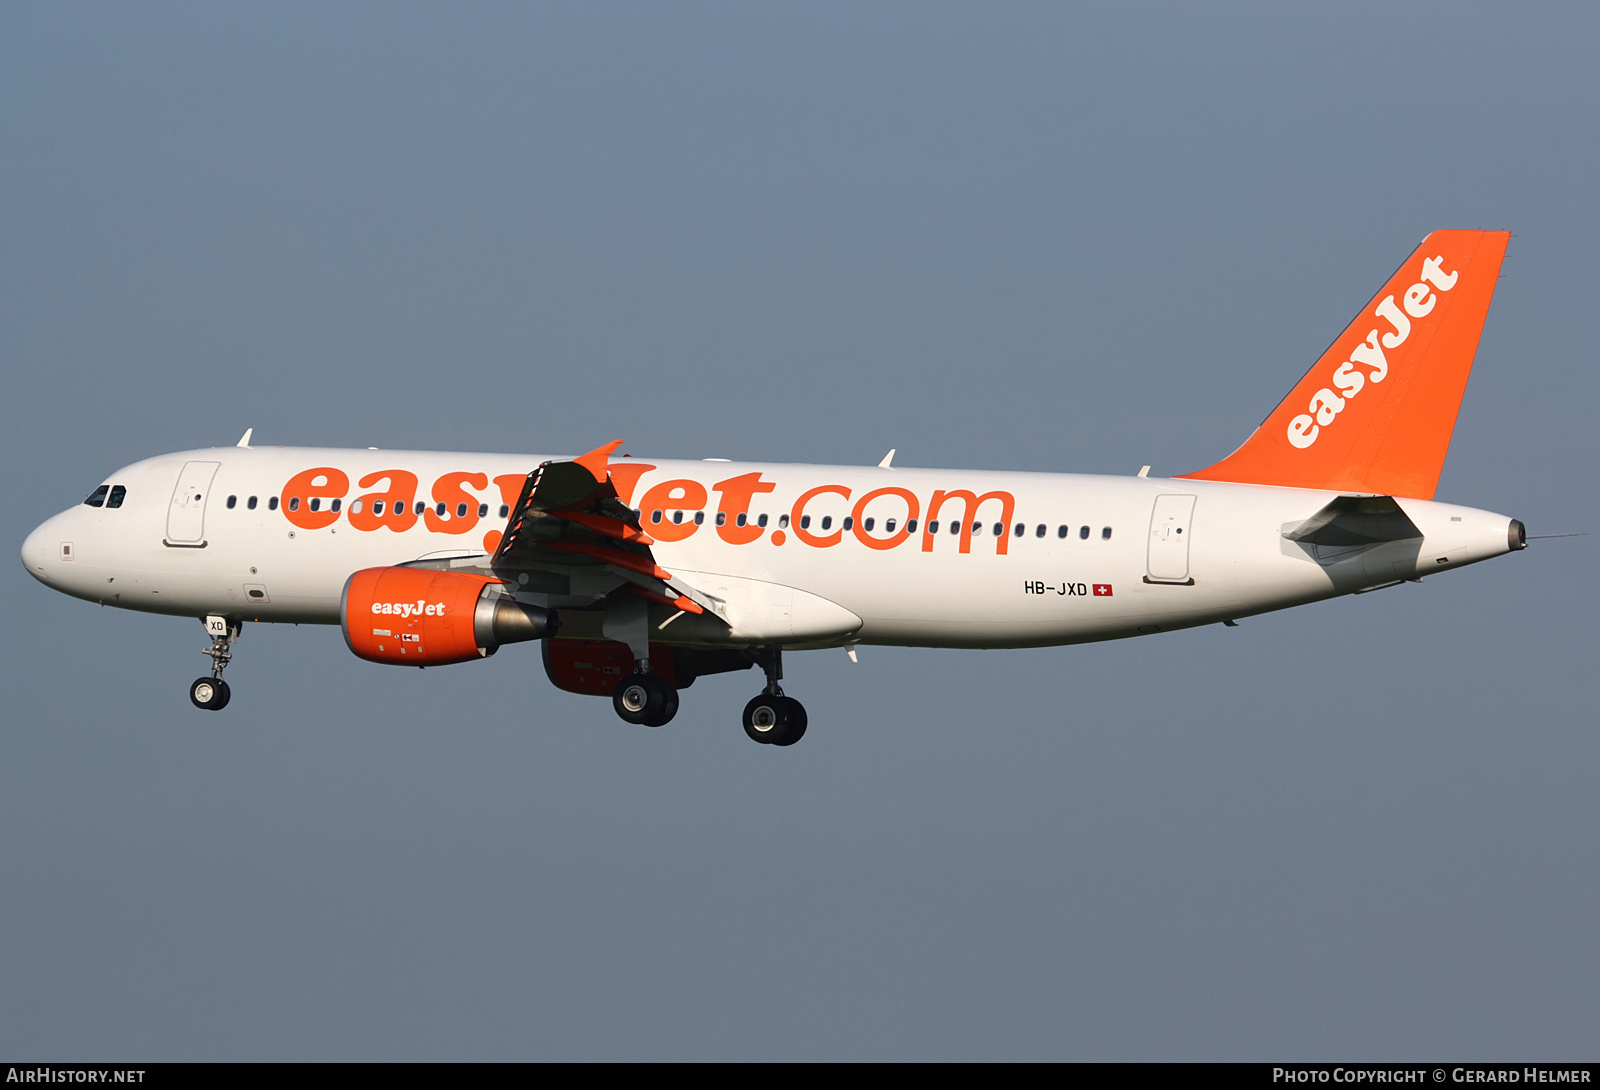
[[1170, 521]]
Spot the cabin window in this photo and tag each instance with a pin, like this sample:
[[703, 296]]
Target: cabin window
[[805, 522], [118, 494], [827, 522], [1105, 533], [1020, 529], [655, 516], [955, 527], [377, 507], [888, 526], [761, 521], [699, 518], [505, 511], [1038, 531], [933, 527], [335, 505], [742, 519], [97, 498], [999, 529], [977, 527], [422, 506], [439, 510], [461, 510], [911, 526], [232, 501], [355, 507], [1061, 531], [294, 503], [250, 503], [272, 503], [866, 524], [848, 522], [316, 502], [1083, 534], [483, 510], [677, 517], [783, 522], [722, 518]]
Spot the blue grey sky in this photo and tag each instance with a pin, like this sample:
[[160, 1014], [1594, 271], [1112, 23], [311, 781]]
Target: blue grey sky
[[1001, 236]]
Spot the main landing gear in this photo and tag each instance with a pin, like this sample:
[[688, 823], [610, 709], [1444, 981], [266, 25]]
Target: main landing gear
[[645, 698], [648, 699], [772, 718], [212, 693]]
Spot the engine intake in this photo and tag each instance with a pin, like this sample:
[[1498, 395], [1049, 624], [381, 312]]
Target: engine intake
[[422, 617]]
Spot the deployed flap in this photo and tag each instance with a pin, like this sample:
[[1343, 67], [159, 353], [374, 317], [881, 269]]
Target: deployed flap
[[1376, 412], [1356, 520]]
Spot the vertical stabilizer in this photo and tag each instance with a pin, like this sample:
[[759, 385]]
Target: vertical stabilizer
[[1375, 413]]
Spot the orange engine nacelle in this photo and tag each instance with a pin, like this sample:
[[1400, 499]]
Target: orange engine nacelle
[[421, 617]]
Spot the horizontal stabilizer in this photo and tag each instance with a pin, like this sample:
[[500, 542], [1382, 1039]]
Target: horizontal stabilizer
[[1356, 520]]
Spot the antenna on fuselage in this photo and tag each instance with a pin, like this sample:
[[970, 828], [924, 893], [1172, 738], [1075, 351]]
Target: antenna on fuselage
[[244, 440]]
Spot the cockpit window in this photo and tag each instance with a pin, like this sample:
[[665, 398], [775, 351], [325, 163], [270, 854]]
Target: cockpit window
[[98, 496], [118, 494]]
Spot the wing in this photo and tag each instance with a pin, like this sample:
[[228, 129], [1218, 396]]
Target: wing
[[569, 514]]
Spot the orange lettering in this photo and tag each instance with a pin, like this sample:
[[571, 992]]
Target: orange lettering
[[826, 540], [314, 485], [912, 507], [737, 492], [448, 490], [625, 478], [400, 488], [510, 486], [666, 497], [1007, 503]]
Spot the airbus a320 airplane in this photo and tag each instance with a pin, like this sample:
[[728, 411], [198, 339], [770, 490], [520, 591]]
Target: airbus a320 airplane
[[640, 576]]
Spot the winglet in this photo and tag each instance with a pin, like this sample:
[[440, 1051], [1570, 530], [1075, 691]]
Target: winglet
[[598, 459], [887, 458], [244, 440]]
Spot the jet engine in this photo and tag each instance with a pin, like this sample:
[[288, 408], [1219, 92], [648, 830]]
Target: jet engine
[[422, 617]]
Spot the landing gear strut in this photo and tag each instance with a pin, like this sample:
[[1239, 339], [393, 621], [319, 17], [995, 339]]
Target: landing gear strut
[[772, 718], [212, 693], [645, 698]]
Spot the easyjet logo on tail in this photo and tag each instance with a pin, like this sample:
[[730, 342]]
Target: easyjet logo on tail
[[1367, 362]]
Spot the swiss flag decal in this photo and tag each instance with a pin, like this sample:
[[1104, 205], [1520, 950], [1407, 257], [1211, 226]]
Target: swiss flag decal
[[1102, 590]]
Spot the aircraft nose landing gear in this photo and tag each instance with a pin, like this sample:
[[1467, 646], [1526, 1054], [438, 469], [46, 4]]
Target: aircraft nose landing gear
[[212, 693], [772, 718]]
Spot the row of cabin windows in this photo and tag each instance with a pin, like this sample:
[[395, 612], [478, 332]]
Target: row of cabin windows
[[868, 524], [315, 504], [115, 495], [107, 495]]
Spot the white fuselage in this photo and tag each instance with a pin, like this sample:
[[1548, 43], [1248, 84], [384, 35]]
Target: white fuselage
[[187, 540]]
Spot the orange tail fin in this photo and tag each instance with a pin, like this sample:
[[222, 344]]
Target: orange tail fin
[[1375, 413]]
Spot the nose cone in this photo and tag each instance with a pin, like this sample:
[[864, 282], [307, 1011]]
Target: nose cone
[[41, 552]]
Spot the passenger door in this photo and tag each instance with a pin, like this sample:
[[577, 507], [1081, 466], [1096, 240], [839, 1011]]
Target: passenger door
[[186, 517]]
